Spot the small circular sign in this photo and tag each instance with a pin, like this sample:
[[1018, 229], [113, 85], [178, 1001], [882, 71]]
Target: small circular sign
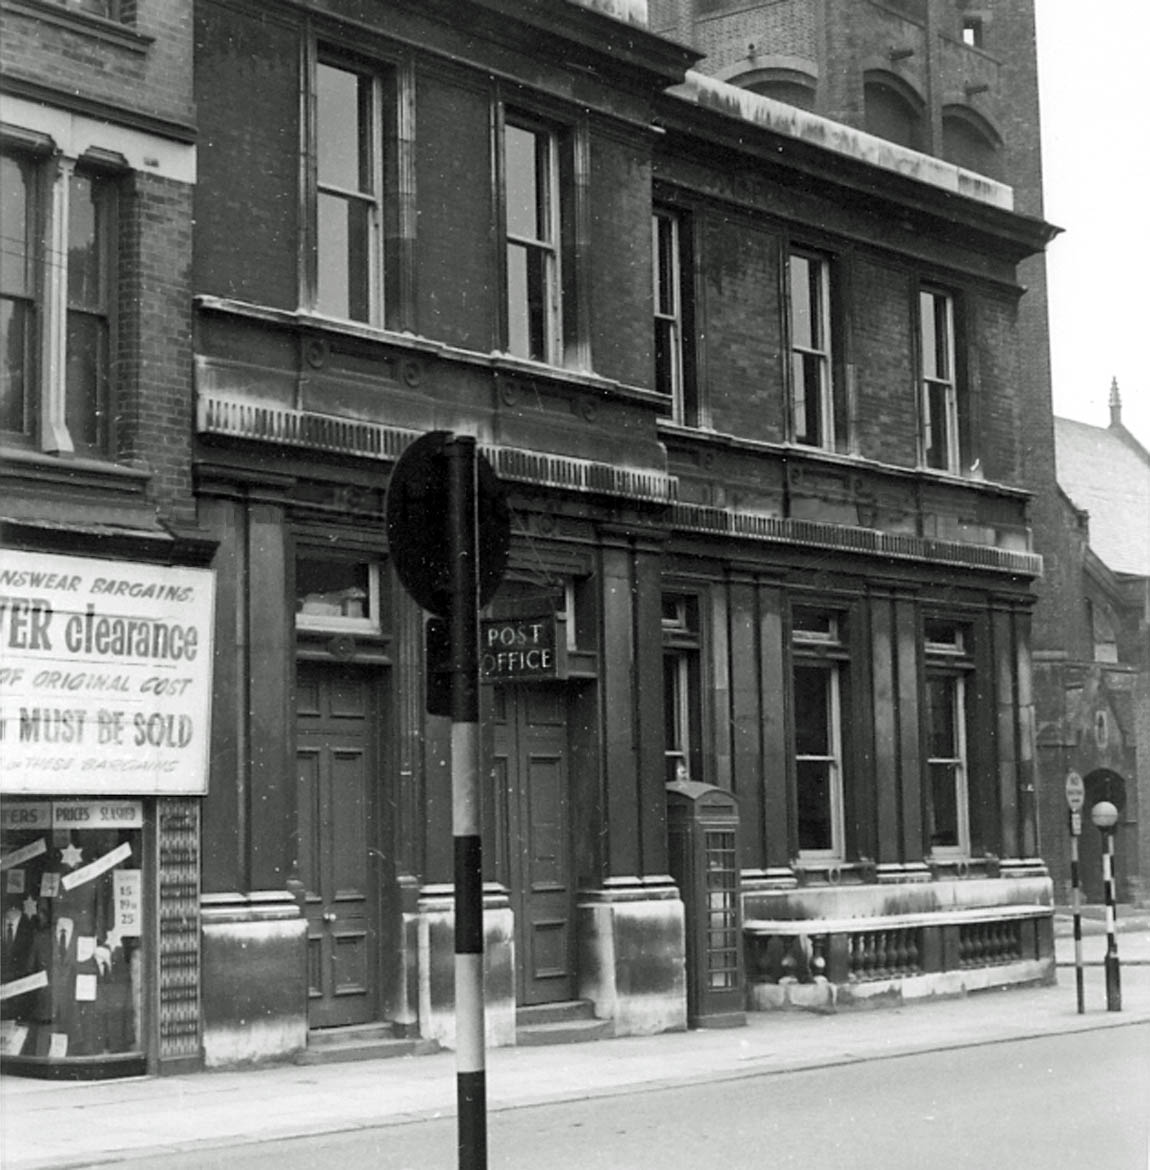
[[1075, 791]]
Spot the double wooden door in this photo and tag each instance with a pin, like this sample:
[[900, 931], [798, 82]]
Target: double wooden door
[[337, 747], [531, 829]]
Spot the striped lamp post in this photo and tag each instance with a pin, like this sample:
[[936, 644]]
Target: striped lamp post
[[471, 1073], [1105, 817]]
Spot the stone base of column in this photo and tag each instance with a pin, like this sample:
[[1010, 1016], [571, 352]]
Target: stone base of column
[[632, 955], [436, 973], [254, 978]]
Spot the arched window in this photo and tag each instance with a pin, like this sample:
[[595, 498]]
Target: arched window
[[783, 84], [781, 89], [893, 110], [968, 140]]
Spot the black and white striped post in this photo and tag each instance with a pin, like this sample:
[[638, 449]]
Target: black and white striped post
[[1076, 888], [1075, 798], [448, 532], [1105, 817], [470, 1048]]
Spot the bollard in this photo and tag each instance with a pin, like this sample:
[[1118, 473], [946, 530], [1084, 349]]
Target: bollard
[[1105, 816]]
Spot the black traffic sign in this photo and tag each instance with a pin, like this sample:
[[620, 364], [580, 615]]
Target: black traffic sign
[[417, 527]]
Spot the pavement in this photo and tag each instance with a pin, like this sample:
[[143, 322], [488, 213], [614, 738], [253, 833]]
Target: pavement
[[69, 1124]]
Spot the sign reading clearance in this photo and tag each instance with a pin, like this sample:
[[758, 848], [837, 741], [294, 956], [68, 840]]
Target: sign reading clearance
[[105, 676]]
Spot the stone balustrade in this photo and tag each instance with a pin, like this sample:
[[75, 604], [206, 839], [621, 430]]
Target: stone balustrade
[[828, 964]]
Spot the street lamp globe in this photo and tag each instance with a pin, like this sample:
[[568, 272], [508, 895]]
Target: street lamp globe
[[1104, 815]]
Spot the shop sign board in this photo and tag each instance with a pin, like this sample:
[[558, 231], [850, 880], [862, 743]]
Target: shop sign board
[[519, 648], [105, 676]]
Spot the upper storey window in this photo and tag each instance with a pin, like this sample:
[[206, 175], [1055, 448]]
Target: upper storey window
[[534, 289], [345, 275], [777, 78], [668, 285], [938, 395], [57, 320], [973, 31], [673, 296], [780, 89], [544, 165], [812, 416]]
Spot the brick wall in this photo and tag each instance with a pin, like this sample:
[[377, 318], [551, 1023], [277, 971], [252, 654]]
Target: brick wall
[[149, 73], [248, 178], [620, 297], [786, 28], [885, 375], [742, 326], [154, 376], [456, 249], [992, 344]]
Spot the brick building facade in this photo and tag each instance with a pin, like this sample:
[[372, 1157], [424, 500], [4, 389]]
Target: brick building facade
[[97, 144], [750, 373], [1091, 681]]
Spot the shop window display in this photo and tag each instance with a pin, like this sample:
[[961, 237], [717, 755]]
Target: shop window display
[[72, 958]]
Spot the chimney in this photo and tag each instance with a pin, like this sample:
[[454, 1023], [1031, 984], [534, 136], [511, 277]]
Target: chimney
[[1115, 404]]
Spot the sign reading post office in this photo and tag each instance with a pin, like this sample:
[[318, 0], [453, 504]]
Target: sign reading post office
[[105, 676], [518, 649]]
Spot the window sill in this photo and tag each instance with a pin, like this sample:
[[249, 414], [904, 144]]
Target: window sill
[[74, 472], [499, 362], [98, 27], [839, 459]]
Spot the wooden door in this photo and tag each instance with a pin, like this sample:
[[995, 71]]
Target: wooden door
[[337, 753], [533, 838]]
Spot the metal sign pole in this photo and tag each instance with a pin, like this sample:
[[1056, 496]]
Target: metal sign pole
[[449, 531], [1075, 798], [1076, 906], [1113, 980], [471, 1075]]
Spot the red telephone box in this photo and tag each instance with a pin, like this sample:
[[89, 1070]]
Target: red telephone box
[[702, 830]]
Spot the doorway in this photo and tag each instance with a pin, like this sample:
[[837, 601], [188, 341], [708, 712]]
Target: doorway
[[532, 835], [338, 753]]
